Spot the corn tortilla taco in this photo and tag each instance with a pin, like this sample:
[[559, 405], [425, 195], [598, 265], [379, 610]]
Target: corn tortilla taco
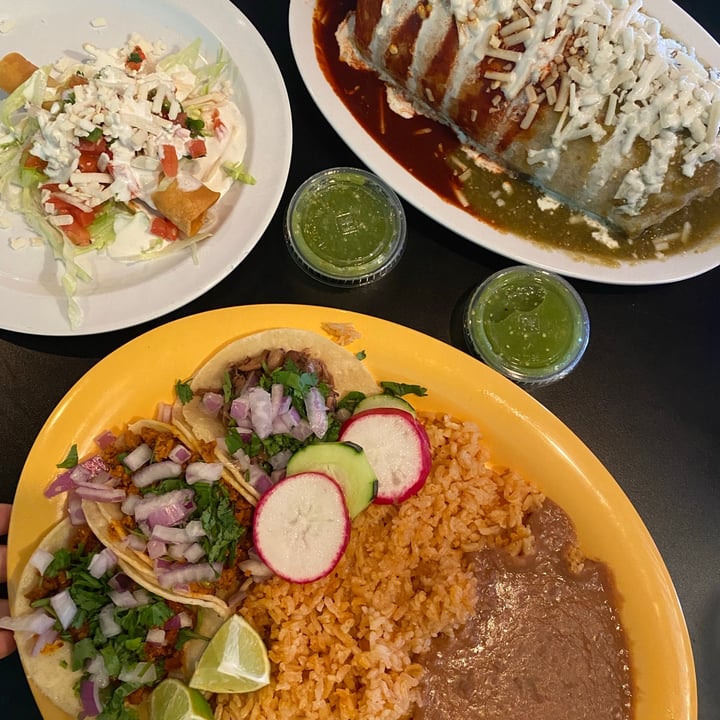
[[263, 396], [174, 515], [91, 638]]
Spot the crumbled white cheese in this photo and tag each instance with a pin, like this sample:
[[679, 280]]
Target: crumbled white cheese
[[6, 25], [98, 22]]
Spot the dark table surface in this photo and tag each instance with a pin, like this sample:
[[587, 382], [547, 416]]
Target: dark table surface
[[645, 398]]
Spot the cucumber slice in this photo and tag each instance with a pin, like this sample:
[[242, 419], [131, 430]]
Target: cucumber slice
[[345, 463], [384, 401]]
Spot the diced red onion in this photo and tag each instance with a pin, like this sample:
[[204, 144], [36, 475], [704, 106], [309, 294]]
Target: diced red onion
[[80, 474], [240, 410], [120, 582], [302, 430], [140, 456], [97, 670], [64, 607], [101, 562], [75, 509], [181, 574], [90, 698], [123, 598], [181, 620], [128, 505], [141, 596], [36, 622], [280, 459], [171, 515], [94, 465], [155, 549], [242, 459], [194, 552], [61, 484], [203, 472], [277, 393], [212, 403], [105, 439], [100, 493], [179, 454], [258, 478], [316, 411], [142, 673], [155, 636], [164, 412], [40, 560], [154, 472], [41, 641], [256, 568], [134, 542], [149, 505], [108, 625], [177, 550], [260, 411], [192, 531]]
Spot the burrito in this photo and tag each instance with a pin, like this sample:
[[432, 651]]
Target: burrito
[[592, 101]]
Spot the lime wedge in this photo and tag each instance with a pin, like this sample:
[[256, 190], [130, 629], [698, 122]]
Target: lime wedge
[[234, 661], [173, 700]]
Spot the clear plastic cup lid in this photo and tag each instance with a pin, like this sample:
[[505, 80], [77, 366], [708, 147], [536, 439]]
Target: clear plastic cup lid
[[345, 226]]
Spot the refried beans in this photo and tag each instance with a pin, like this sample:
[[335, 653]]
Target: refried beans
[[545, 643]]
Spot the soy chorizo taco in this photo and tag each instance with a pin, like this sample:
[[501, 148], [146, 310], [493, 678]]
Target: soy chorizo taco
[[264, 396], [93, 640], [166, 506]]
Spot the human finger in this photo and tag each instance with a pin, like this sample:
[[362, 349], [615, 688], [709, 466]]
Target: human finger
[[7, 638], [5, 510]]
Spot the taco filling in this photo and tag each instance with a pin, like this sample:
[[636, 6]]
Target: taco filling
[[266, 396], [97, 640], [173, 517]]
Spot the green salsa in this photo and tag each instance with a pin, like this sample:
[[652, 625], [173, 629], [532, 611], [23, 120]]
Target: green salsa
[[527, 323], [343, 225]]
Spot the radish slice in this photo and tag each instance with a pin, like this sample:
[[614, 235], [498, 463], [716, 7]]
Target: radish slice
[[397, 447], [302, 527]]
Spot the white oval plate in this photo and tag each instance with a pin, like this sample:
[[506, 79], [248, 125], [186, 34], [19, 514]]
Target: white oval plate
[[648, 272], [121, 295]]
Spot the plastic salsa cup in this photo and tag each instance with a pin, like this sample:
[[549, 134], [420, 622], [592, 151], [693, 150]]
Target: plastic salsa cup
[[527, 323], [345, 226]]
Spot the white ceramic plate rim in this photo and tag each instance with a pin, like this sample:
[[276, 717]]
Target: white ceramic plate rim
[[122, 296], [650, 272]]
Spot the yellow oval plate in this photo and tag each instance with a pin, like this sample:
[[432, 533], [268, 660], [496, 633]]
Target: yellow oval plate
[[521, 433]]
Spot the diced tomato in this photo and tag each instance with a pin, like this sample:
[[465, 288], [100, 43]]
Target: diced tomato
[[93, 148], [164, 229], [218, 124], [169, 160], [135, 58], [34, 162], [196, 148], [88, 162], [75, 80], [77, 234], [77, 231]]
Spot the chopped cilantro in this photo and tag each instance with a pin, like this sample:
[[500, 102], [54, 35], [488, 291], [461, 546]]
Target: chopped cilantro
[[361, 354], [227, 387], [71, 460], [95, 135], [399, 389], [135, 57], [183, 391], [350, 401], [218, 521], [195, 126]]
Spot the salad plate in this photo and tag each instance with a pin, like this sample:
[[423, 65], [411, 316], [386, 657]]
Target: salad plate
[[123, 294], [672, 268], [519, 432]]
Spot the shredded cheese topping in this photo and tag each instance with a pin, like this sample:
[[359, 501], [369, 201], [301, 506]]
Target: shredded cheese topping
[[603, 66]]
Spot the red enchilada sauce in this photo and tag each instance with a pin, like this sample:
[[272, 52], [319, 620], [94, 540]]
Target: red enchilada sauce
[[432, 153], [545, 643]]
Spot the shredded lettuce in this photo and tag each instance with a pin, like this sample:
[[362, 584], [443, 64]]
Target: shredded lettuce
[[238, 172]]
